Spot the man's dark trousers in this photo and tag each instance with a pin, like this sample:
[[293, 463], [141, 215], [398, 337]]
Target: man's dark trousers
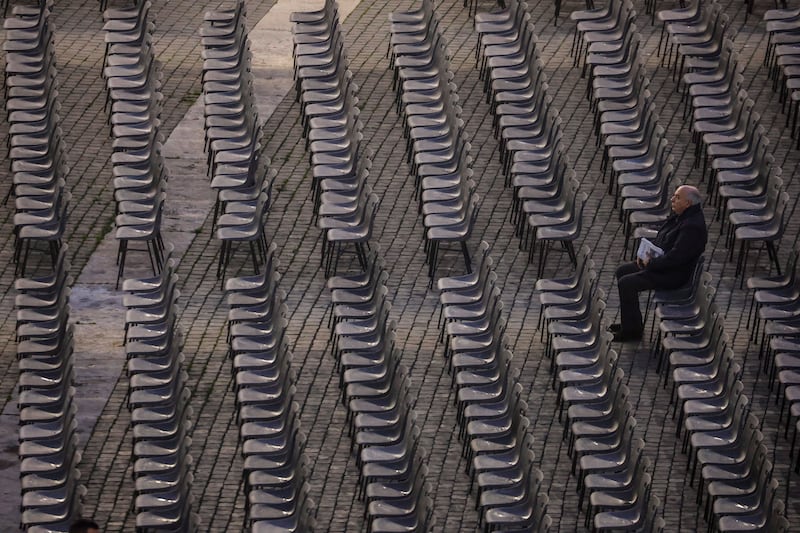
[[631, 280]]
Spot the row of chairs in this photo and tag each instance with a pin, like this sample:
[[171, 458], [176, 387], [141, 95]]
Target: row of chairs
[[345, 206], [496, 436], [774, 301], [781, 55], [626, 123], [635, 151], [437, 146], [776, 304], [694, 36], [29, 46], [158, 399], [748, 189], [48, 442], [36, 149], [736, 475], [720, 434], [607, 458], [51, 492], [609, 23], [376, 389], [276, 468], [782, 59], [241, 175], [547, 206], [507, 19], [133, 92], [744, 182]]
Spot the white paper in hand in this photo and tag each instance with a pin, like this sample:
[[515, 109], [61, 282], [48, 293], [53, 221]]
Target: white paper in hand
[[647, 250]]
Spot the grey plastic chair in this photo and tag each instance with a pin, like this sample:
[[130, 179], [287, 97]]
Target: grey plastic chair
[[582, 370], [597, 415], [617, 499], [644, 511], [618, 479], [498, 23]]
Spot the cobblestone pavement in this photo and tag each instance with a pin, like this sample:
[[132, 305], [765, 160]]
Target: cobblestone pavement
[[217, 485]]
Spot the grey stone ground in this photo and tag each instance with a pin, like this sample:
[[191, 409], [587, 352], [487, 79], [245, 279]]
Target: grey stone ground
[[217, 489]]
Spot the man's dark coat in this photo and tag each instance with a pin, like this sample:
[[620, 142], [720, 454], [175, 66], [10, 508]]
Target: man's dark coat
[[683, 238]]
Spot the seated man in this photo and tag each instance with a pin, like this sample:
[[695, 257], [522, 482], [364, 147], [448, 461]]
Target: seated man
[[683, 238]]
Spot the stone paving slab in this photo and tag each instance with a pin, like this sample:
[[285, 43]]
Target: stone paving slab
[[217, 486]]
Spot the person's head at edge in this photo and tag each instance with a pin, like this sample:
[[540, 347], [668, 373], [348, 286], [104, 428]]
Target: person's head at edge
[[684, 197], [84, 525]]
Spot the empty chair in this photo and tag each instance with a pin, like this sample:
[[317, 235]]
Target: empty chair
[[459, 231]]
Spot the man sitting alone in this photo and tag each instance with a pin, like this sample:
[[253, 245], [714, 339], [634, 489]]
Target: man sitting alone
[[683, 238]]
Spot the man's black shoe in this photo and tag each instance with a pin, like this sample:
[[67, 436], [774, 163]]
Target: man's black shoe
[[614, 328], [625, 336]]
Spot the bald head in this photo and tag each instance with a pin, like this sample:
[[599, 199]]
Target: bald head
[[685, 196]]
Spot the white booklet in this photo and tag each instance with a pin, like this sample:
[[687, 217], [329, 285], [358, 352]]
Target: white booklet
[[647, 250]]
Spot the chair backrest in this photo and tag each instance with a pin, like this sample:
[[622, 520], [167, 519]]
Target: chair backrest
[[738, 406], [621, 393], [597, 309], [728, 369], [585, 261], [578, 213], [742, 104], [483, 260], [698, 286], [766, 485], [631, 43], [424, 512], [636, 459], [614, 380], [791, 265], [531, 50], [727, 58], [628, 18], [628, 425], [653, 523], [721, 25], [538, 76], [711, 14], [616, 9], [643, 488], [777, 522], [508, 377], [651, 124], [520, 424], [472, 215], [541, 518], [518, 9], [370, 210]]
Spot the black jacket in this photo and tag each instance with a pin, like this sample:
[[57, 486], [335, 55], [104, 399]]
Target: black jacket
[[683, 238]]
